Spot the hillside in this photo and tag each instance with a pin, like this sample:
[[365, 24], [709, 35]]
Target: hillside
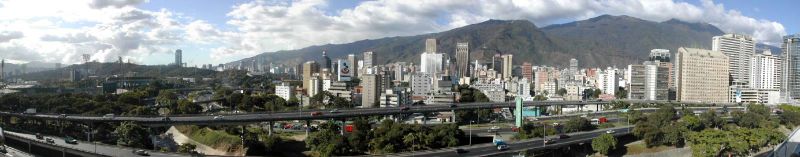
[[601, 41], [109, 69]]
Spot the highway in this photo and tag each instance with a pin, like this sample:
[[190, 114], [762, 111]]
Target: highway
[[291, 115], [516, 146], [101, 149]]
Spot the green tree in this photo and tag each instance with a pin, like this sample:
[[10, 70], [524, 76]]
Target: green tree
[[621, 93], [578, 124], [167, 98], [691, 122], [596, 93], [186, 147], [561, 92], [132, 135], [604, 143], [711, 120], [187, 107]]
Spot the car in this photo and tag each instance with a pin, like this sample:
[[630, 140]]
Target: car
[[62, 116], [610, 131], [335, 111], [549, 141], [316, 113], [218, 117], [70, 140], [39, 136], [563, 136], [502, 147], [460, 151], [165, 119], [141, 152], [453, 105], [108, 116], [49, 140], [405, 108]]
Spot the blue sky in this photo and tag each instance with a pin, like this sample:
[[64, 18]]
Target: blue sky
[[220, 31]]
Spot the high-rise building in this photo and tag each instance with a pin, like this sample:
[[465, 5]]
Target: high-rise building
[[399, 71], [371, 90], [353, 60], [431, 63], [421, 84], [315, 84], [763, 70], [462, 59], [178, 57], [326, 61], [648, 81], [430, 46], [507, 66], [2, 69], [663, 58], [527, 71], [702, 75], [369, 59], [790, 74], [573, 66], [309, 68], [608, 80], [739, 49]]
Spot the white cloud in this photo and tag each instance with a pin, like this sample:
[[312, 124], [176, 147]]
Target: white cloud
[[270, 26], [63, 30]]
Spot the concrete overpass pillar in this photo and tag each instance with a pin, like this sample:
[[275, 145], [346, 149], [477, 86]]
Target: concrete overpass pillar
[[424, 119], [269, 128], [454, 115], [341, 130], [308, 127]]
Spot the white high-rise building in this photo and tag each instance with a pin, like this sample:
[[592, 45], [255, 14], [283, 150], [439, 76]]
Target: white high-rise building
[[763, 71], [431, 63], [739, 49], [369, 59], [607, 81], [507, 66]]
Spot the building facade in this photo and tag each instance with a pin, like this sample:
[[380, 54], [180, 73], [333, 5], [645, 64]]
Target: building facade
[[763, 70], [739, 49], [371, 91], [462, 59], [508, 65], [702, 75], [790, 74], [309, 68]]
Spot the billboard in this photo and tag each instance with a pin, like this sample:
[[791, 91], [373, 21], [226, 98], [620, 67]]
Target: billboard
[[345, 70]]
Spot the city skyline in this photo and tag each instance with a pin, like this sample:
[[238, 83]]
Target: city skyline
[[149, 31]]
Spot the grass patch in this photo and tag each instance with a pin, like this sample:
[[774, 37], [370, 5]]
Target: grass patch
[[215, 138], [641, 148]]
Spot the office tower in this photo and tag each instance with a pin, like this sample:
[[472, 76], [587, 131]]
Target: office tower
[[497, 62], [527, 71], [353, 60], [431, 63], [462, 59], [739, 49], [648, 81], [326, 61], [369, 59], [309, 68], [763, 70], [284, 90], [507, 66], [315, 85], [2, 69], [421, 84], [702, 75], [790, 73], [573, 66], [430, 46], [663, 58], [399, 71], [178, 57], [371, 90]]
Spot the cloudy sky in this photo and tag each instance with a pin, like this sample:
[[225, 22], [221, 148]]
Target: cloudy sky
[[219, 31]]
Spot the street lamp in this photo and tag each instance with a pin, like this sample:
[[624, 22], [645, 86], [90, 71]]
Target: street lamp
[[470, 132]]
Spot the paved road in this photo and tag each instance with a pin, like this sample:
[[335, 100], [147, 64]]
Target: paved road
[[514, 147], [13, 152], [103, 149]]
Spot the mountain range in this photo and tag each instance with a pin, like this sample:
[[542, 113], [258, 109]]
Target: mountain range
[[596, 42]]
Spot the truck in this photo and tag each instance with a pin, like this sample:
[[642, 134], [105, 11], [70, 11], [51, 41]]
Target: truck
[[30, 111]]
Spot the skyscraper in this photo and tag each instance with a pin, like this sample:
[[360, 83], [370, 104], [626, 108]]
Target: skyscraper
[[371, 90], [2, 69], [573, 66], [702, 75], [431, 63], [739, 49], [790, 74], [648, 81], [353, 60], [178, 57], [462, 59], [430, 45], [369, 59], [763, 70], [326, 61], [507, 66], [664, 59], [309, 68]]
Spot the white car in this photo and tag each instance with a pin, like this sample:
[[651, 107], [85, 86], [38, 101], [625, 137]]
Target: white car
[[495, 127], [610, 131], [218, 117], [502, 147]]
